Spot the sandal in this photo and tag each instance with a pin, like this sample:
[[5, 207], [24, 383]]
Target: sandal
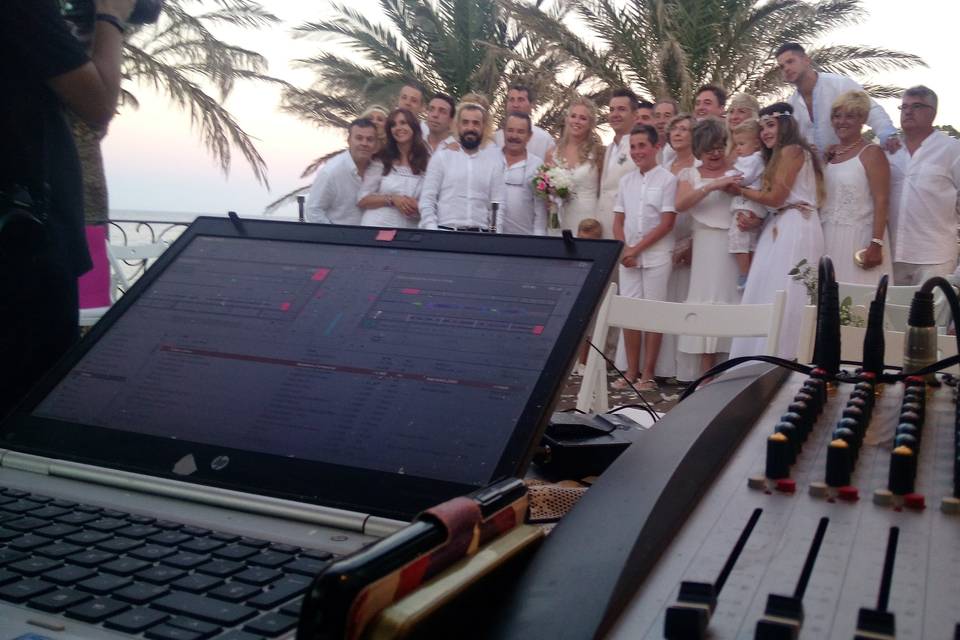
[[621, 384], [646, 385]]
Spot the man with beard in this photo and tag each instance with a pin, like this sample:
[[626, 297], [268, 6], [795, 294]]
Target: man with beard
[[461, 184], [524, 213]]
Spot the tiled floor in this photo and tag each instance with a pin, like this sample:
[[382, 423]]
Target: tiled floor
[[662, 399]]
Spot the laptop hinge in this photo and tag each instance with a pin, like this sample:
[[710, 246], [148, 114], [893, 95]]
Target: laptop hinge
[[22, 462], [226, 498]]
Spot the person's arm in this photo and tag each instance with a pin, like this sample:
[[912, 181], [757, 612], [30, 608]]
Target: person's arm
[[877, 168], [688, 197], [321, 197], [91, 90], [791, 161], [369, 196], [498, 183], [881, 124], [619, 215], [431, 192]]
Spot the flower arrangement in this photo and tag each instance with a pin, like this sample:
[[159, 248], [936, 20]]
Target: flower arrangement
[[554, 184], [807, 275]]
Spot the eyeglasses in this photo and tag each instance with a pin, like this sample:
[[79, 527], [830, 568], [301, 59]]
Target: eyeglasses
[[910, 108]]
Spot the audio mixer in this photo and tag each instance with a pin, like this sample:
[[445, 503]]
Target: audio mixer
[[832, 522], [786, 507]]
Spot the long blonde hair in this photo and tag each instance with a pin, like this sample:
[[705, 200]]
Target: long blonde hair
[[591, 149]]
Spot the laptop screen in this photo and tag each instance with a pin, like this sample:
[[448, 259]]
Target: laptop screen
[[414, 360]]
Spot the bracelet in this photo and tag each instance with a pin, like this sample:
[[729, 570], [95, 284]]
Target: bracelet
[[876, 241], [111, 19]]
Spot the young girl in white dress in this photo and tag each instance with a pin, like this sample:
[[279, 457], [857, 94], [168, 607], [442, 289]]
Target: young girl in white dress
[[854, 214], [391, 184], [793, 188]]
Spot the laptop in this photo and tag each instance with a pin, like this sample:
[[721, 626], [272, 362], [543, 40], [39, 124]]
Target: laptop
[[269, 396]]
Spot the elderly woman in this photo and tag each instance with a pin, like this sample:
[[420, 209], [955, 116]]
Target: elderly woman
[[792, 188], [713, 272], [671, 362], [857, 181]]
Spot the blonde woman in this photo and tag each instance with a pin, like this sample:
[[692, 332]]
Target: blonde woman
[[581, 152], [740, 108], [378, 116], [857, 179]]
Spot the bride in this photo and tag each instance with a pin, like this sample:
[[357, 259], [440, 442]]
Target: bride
[[581, 152]]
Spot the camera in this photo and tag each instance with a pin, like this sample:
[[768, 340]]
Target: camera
[[81, 13]]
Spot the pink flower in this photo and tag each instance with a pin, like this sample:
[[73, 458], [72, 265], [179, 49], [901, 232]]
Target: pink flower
[[542, 186]]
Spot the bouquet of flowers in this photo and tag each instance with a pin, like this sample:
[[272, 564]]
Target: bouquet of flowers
[[554, 184]]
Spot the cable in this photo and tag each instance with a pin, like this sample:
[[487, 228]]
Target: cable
[[646, 406], [732, 362], [951, 297]]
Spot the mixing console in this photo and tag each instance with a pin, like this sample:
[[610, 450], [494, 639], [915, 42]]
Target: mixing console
[[836, 517]]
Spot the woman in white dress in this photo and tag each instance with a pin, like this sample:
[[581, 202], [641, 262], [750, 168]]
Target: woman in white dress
[[581, 153], [391, 184], [672, 363], [713, 271], [792, 187], [857, 180]]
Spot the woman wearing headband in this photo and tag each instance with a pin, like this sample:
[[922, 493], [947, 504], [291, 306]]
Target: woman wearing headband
[[792, 189]]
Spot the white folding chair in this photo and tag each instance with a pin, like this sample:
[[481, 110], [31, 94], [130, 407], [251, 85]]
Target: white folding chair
[[898, 303], [714, 320], [121, 257]]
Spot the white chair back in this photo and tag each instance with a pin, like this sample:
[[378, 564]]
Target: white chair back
[[851, 343], [715, 320], [120, 257]]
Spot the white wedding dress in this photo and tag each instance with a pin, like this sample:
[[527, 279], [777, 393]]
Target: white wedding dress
[[583, 204]]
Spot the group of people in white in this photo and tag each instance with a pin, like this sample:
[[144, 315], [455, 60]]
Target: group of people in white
[[715, 206]]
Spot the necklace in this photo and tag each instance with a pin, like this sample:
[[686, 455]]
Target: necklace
[[844, 150]]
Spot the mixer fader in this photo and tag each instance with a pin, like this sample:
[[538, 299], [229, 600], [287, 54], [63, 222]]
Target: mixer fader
[[837, 517]]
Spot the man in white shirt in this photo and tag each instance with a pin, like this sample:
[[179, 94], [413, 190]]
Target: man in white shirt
[[664, 111], [925, 174], [520, 100], [621, 116], [439, 121], [524, 212], [814, 96], [462, 184], [333, 195], [710, 102], [644, 215], [411, 97]]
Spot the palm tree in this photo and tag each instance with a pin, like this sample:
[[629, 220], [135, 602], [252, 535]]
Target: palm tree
[[449, 46], [181, 57], [671, 47]]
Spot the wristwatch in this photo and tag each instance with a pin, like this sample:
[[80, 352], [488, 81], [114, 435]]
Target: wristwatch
[[877, 241]]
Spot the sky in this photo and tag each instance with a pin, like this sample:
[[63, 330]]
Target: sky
[[155, 162]]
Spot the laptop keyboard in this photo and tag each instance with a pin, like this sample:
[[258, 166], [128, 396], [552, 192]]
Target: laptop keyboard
[[143, 576]]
